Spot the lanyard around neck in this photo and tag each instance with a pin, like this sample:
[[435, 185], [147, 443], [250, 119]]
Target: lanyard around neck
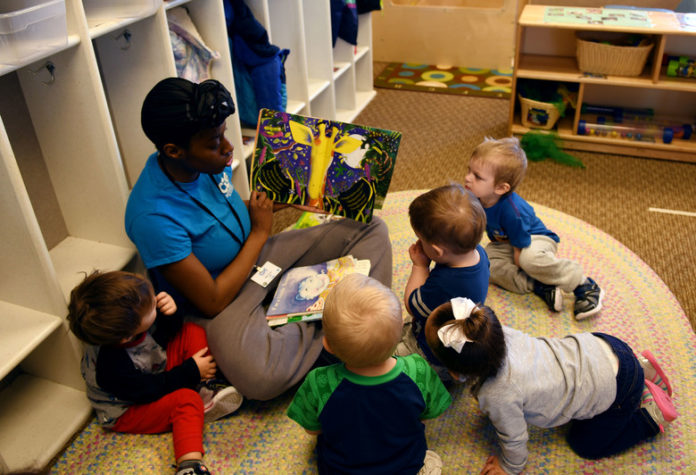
[[208, 210]]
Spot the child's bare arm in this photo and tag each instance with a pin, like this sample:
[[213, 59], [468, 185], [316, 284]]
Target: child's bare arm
[[420, 271]]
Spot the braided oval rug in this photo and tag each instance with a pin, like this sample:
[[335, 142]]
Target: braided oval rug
[[638, 308]]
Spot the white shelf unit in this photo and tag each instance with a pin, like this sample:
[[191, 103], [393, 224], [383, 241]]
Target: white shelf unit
[[546, 52], [322, 80], [71, 146]]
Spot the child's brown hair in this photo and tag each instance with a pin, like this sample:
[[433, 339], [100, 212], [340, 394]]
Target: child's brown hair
[[108, 307], [480, 358], [362, 321], [449, 216], [506, 157]]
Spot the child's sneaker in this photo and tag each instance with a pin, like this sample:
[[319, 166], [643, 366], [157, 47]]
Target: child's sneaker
[[588, 299], [550, 294], [653, 372], [658, 405], [219, 400], [192, 467]]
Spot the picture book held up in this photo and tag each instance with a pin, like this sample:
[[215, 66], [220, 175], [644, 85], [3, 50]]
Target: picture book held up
[[302, 291], [337, 167]]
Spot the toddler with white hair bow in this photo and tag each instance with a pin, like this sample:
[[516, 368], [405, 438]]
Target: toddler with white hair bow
[[612, 398]]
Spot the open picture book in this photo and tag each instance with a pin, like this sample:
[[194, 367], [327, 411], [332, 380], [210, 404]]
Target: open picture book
[[336, 167], [302, 291]]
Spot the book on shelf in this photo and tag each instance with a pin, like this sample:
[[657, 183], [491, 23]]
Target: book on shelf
[[302, 291], [335, 167]]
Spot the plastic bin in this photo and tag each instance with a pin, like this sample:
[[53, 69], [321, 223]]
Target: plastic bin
[[537, 114], [101, 11], [29, 28]]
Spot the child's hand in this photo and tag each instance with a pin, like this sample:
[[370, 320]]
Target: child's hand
[[417, 255], [206, 364], [493, 467], [165, 303]]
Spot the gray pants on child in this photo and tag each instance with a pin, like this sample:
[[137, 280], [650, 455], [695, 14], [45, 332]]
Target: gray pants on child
[[537, 261]]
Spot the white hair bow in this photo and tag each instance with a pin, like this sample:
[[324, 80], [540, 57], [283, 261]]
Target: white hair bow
[[452, 336]]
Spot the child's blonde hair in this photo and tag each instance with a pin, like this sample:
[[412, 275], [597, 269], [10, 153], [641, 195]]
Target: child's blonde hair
[[480, 358], [362, 321], [449, 216], [506, 157], [108, 307]]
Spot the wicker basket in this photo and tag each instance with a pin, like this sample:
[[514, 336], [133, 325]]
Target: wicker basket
[[536, 114], [600, 58]]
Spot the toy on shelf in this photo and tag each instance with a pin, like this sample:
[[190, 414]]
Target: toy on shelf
[[681, 66], [640, 125], [542, 103]]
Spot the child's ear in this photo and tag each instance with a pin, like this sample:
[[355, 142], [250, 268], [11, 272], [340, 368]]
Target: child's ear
[[173, 151], [326, 345], [501, 188], [438, 249]]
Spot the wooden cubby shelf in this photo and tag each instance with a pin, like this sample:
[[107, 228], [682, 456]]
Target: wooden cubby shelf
[[545, 51]]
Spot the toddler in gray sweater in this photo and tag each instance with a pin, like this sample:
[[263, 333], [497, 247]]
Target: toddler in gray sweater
[[612, 398]]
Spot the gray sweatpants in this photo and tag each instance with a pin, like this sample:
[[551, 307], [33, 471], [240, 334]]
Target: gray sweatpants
[[263, 362], [537, 261]]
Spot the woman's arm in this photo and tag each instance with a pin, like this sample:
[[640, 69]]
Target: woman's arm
[[190, 277]]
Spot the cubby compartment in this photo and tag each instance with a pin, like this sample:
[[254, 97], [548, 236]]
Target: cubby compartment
[[547, 51], [132, 60], [31, 28], [99, 12]]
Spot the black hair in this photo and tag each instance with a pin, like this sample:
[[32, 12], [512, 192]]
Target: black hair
[[176, 109]]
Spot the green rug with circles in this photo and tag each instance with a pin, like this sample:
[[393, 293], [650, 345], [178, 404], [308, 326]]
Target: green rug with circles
[[446, 79]]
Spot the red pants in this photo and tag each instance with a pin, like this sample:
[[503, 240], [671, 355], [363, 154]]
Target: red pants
[[180, 411]]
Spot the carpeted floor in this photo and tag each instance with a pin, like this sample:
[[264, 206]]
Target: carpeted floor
[[639, 308]]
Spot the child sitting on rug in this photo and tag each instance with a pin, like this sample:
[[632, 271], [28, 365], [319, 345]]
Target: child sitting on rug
[[612, 399], [367, 410], [522, 249], [449, 222], [147, 373]]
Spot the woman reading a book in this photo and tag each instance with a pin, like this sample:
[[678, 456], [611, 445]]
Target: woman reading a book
[[203, 244]]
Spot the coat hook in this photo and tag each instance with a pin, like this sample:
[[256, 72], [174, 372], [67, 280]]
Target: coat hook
[[126, 42], [49, 67]]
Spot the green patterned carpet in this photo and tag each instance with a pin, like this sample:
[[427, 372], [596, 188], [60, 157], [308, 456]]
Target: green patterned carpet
[[446, 79], [638, 308]]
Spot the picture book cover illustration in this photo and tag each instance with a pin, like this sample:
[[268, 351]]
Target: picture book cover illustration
[[302, 290], [343, 169]]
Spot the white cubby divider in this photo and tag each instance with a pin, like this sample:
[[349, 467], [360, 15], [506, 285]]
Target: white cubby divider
[[71, 147]]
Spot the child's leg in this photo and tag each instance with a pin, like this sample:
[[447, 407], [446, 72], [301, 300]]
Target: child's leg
[[504, 272], [180, 411], [540, 262], [625, 423], [190, 339]]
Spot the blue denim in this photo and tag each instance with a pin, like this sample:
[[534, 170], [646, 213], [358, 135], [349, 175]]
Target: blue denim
[[625, 423]]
